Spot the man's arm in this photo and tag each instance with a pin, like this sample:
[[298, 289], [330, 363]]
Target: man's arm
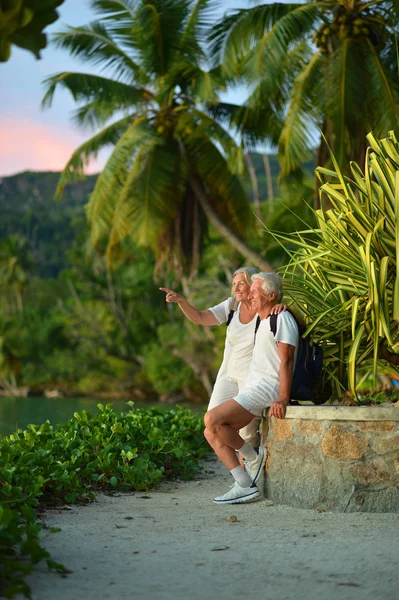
[[286, 352], [199, 317]]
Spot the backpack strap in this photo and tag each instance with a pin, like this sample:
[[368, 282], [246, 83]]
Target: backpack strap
[[273, 324], [232, 309], [257, 324], [231, 315]]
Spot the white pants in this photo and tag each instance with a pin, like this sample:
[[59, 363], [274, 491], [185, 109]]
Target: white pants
[[226, 388]]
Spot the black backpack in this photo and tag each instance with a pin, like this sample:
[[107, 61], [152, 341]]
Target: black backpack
[[309, 381]]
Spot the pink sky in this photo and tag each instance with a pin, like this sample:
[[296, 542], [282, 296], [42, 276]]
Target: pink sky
[[31, 139], [26, 144]]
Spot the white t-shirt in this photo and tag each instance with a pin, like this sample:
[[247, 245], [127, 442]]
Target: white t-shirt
[[239, 343], [266, 360]]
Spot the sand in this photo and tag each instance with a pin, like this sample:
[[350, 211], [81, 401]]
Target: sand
[[176, 543]]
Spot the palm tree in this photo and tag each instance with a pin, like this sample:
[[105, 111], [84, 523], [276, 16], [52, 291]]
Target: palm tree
[[169, 173], [328, 66], [14, 262]]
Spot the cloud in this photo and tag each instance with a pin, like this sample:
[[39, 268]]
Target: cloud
[[27, 144]]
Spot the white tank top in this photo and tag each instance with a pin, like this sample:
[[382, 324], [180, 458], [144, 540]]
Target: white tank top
[[239, 343]]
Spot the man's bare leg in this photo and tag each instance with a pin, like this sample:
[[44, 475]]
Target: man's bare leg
[[222, 424]]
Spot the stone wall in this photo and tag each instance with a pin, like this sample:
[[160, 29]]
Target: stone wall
[[334, 458]]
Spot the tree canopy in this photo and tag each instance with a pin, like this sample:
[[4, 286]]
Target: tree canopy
[[328, 66]]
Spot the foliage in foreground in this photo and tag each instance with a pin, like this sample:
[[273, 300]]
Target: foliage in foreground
[[22, 23], [344, 274], [47, 466]]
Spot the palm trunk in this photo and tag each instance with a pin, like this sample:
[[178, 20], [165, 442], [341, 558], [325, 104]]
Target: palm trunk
[[255, 189], [197, 369], [269, 181], [253, 257]]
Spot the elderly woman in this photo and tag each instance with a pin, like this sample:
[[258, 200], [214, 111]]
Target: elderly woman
[[239, 340], [268, 384]]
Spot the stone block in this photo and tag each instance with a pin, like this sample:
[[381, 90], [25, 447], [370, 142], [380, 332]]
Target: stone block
[[378, 500], [338, 443], [370, 472], [308, 428], [264, 430], [294, 477], [386, 444], [282, 429], [292, 451], [375, 425]]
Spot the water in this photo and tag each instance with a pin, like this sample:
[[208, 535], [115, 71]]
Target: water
[[17, 413]]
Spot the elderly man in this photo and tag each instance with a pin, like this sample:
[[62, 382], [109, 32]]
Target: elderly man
[[268, 384]]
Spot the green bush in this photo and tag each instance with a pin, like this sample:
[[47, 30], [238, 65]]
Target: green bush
[[47, 465]]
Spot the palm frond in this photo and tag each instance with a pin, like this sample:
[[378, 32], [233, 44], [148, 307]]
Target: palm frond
[[74, 168], [85, 86], [341, 87], [202, 124], [229, 198], [157, 32], [115, 9], [254, 126], [384, 93], [194, 82], [104, 197], [268, 28], [95, 114], [269, 53], [296, 142], [233, 36], [119, 16], [150, 197], [93, 43], [200, 19]]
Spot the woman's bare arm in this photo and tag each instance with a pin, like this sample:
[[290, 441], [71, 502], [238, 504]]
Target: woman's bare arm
[[199, 317]]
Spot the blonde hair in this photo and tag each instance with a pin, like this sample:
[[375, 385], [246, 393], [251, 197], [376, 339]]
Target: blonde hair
[[248, 272], [271, 282]]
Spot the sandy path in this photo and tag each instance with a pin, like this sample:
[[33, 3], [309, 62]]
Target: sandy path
[[175, 543]]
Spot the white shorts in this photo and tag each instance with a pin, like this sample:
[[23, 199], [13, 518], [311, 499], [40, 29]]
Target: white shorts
[[225, 388], [257, 396]]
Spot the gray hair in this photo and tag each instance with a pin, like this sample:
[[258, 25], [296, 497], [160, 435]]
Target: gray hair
[[248, 272], [271, 282]]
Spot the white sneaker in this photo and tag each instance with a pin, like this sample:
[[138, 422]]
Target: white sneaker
[[256, 468], [238, 494]]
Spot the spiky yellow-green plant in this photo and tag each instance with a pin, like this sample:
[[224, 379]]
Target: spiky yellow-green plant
[[344, 275]]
